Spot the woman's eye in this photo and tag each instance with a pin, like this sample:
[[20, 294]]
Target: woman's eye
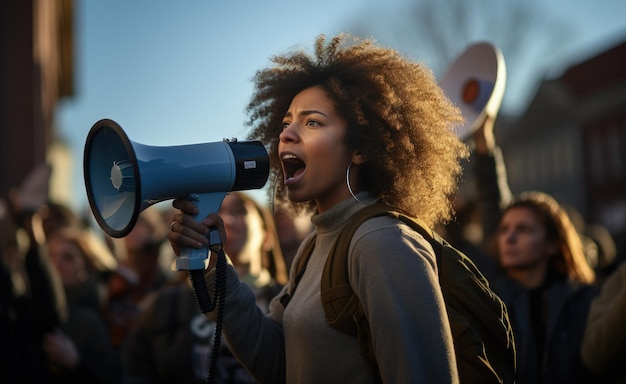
[[285, 124], [313, 123]]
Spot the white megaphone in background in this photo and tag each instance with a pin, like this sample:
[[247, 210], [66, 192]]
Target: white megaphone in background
[[475, 82], [123, 178]]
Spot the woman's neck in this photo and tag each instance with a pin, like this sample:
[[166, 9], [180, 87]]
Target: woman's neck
[[528, 277]]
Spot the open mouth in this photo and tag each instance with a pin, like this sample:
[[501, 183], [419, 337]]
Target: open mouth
[[292, 166]]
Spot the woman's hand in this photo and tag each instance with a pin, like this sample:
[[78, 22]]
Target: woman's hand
[[187, 231]]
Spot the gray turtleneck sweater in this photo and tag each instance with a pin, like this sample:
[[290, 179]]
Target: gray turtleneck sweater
[[394, 274]]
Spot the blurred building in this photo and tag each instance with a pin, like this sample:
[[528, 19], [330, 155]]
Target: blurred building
[[571, 141], [36, 71]]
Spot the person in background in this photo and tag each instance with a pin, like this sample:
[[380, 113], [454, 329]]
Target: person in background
[[139, 275], [32, 301], [545, 279], [80, 348], [172, 341], [253, 246], [36, 303], [349, 125], [292, 230], [40, 314]]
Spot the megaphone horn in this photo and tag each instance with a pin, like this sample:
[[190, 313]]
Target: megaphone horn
[[123, 178], [475, 82]]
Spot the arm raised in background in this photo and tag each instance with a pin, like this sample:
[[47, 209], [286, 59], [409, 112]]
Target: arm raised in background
[[45, 286], [493, 188]]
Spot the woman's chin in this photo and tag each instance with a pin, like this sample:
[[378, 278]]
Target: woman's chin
[[296, 196]]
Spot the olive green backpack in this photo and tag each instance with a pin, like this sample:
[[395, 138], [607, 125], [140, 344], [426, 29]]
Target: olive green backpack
[[482, 334]]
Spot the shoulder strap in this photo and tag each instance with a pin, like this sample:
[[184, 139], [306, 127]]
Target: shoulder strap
[[299, 269]]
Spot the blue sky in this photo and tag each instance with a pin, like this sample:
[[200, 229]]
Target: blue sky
[[178, 72]]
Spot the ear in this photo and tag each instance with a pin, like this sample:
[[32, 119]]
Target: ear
[[358, 158]]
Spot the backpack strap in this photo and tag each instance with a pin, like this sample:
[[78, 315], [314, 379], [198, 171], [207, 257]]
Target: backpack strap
[[299, 269], [341, 305]]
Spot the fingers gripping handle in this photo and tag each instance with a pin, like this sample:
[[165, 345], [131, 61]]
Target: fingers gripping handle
[[192, 259]]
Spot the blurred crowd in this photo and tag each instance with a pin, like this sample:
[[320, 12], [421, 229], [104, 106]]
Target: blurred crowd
[[79, 306], [560, 277]]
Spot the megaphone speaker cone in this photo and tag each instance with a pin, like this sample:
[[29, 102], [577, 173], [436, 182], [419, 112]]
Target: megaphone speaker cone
[[122, 176], [111, 174]]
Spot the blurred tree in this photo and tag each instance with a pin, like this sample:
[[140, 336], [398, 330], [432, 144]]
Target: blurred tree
[[437, 31]]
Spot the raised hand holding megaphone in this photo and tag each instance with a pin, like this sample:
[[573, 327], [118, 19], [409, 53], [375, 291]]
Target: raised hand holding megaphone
[[122, 178], [475, 82]]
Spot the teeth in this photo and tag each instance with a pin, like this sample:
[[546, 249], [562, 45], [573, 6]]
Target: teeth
[[288, 156]]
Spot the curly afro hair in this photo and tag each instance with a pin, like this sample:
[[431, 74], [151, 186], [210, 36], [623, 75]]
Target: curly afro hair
[[396, 113]]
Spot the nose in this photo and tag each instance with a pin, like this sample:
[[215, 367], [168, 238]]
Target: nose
[[510, 235], [289, 134]]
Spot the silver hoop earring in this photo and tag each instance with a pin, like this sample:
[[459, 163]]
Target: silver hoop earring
[[350, 188]]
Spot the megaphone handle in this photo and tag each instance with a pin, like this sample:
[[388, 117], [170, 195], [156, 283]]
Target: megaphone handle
[[195, 260], [192, 258]]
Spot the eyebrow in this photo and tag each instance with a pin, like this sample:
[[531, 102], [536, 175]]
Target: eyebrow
[[307, 112]]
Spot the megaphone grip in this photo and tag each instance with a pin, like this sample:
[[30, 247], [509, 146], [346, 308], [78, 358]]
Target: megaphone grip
[[193, 258]]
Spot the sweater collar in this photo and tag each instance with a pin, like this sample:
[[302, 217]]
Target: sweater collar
[[337, 216]]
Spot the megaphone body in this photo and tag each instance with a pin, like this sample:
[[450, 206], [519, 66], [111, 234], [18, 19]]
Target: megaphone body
[[475, 82], [123, 178]]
